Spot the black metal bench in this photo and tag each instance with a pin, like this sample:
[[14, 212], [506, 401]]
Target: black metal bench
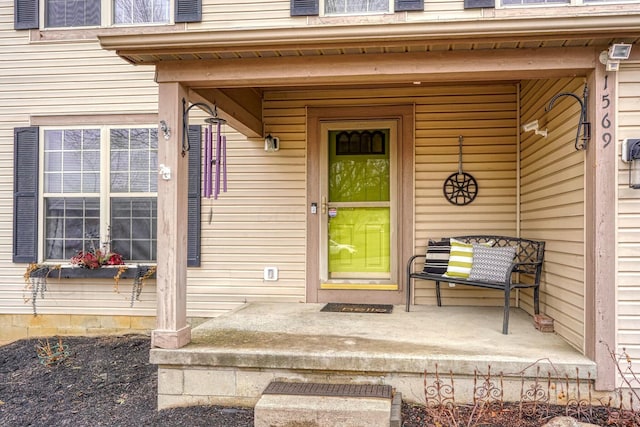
[[529, 255]]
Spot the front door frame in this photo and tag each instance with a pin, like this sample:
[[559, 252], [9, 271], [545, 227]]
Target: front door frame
[[402, 192]]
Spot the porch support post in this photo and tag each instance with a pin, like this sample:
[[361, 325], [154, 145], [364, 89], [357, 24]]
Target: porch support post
[[600, 198], [172, 330]]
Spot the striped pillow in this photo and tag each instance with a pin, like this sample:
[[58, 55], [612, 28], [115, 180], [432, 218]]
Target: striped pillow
[[437, 259], [460, 259]]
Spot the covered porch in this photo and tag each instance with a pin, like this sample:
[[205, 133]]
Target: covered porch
[[434, 85], [231, 359]]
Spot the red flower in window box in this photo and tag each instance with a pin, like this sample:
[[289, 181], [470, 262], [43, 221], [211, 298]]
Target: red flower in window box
[[95, 258]]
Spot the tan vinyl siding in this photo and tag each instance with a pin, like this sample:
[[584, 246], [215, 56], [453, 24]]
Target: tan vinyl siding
[[63, 79], [268, 14], [485, 115], [628, 274], [552, 203]]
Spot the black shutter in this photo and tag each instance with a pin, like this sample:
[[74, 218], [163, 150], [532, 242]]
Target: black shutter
[[408, 5], [193, 205], [477, 4], [188, 11], [25, 14], [305, 7], [25, 194]]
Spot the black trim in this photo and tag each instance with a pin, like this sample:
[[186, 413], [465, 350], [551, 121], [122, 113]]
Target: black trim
[[408, 5], [305, 7], [25, 194], [193, 215], [477, 4], [188, 11], [26, 14]]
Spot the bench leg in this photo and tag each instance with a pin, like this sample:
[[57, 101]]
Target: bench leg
[[408, 293], [507, 303], [438, 294], [536, 300]]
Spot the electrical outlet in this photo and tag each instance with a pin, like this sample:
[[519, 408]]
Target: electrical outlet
[[270, 274]]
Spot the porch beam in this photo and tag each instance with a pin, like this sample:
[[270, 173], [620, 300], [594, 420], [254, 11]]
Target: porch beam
[[241, 108], [172, 330], [404, 68]]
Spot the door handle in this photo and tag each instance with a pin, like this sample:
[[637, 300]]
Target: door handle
[[323, 205]]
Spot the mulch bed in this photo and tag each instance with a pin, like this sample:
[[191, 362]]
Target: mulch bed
[[108, 381]]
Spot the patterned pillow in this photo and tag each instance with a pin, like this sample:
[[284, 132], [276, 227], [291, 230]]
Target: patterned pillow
[[460, 259], [437, 258], [491, 264]]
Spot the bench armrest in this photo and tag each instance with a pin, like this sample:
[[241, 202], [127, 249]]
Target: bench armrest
[[411, 261]]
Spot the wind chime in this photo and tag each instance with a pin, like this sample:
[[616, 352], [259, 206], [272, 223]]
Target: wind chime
[[215, 153], [215, 149]]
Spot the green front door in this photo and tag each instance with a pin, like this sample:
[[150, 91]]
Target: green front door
[[358, 208]]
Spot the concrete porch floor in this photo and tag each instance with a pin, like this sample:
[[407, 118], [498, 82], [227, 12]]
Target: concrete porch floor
[[232, 358]]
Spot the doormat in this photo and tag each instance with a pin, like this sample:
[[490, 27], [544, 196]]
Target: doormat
[[334, 307], [320, 389]]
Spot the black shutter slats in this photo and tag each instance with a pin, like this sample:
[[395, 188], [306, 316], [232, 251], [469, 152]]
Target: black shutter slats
[[25, 14], [408, 5], [25, 194], [188, 11], [193, 216], [305, 7], [477, 4]]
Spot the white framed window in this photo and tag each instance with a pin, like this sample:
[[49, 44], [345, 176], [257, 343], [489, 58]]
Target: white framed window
[[534, 2], [99, 188], [356, 7], [140, 11], [96, 13]]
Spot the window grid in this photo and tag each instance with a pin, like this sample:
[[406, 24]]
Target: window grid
[[72, 13], [77, 214], [346, 7], [72, 225], [72, 161], [140, 11]]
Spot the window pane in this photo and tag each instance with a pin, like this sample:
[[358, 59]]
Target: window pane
[[140, 11], [533, 2], [133, 227], [72, 13], [72, 161], [134, 169], [71, 225], [355, 6]]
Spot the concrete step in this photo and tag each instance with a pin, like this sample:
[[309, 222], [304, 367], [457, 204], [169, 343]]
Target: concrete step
[[286, 404]]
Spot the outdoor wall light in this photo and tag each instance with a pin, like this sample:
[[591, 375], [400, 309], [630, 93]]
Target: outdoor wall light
[[631, 155], [617, 52], [534, 126], [165, 129], [271, 143]]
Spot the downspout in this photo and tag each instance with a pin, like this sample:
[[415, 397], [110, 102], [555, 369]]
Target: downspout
[[518, 172], [518, 142]]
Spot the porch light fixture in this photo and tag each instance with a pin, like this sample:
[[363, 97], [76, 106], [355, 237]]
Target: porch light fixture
[[617, 52], [631, 155], [271, 143], [534, 126], [165, 129]]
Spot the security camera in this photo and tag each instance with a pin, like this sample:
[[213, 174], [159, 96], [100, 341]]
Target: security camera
[[528, 127]]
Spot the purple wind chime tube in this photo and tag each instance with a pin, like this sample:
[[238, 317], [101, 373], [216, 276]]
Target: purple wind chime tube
[[208, 152], [215, 152], [216, 190]]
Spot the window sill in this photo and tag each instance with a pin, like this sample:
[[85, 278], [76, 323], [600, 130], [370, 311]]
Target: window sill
[[105, 272]]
